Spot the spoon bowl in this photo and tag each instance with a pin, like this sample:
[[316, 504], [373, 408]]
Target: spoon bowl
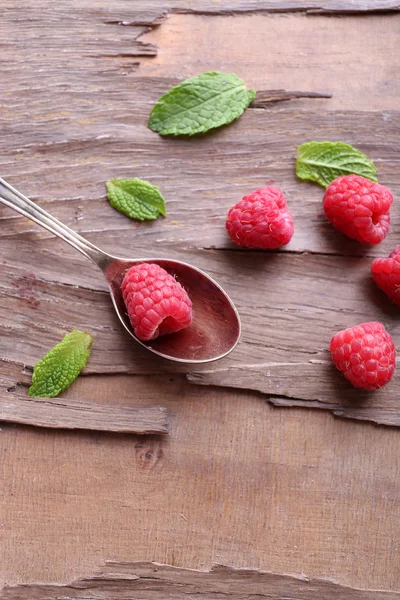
[[215, 329]]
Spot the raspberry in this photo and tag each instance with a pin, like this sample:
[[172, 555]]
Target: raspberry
[[157, 304], [359, 208], [261, 220], [386, 273], [365, 354]]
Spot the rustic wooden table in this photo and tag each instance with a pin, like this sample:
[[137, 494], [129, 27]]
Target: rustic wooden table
[[293, 491]]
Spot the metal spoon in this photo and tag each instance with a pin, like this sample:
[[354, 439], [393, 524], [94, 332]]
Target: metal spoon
[[215, 329]]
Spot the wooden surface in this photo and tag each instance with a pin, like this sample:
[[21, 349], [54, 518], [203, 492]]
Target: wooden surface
[[291, 51], [160, 582], [66, 413], [237, 482]]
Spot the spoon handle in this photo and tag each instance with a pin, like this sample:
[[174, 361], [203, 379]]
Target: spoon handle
[[14, 199]]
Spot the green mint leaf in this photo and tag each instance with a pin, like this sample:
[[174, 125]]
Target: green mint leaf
[[323, 162], [55, 372], [201, 103], [135, 198]]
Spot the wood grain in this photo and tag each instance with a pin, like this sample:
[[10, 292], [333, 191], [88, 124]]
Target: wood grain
[[74, 413], [69, 175], [159, 582], [43, 295], [236, 482], [65, 413], [311, 7], [290, 51], [287, 357]]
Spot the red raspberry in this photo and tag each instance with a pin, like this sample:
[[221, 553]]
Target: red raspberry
[[261, 220], [157, 304], [359, 208], [386, 273], [365, 354]]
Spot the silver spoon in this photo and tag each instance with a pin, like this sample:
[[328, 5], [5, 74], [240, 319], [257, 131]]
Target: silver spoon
[[215, 329]]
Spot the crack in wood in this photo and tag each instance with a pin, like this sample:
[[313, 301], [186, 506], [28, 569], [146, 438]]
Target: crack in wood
[[140, 20], [356, 413], [356, 405], [291, 296], [299, 252], [308, 10], [152, 581], [266, 97]]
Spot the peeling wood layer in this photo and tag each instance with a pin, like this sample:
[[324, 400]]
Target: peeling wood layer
[[65, 413], [335, 7], [287, 357], [289, 491], [90, 124], [68, 412], [145, 19], [265, 97], [151, 581], [292, 491]]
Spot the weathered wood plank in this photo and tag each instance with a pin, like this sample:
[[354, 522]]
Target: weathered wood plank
[[105, 135], [65, 413], [233, 7], [290, 51], [68, 176], [118, 581], [145, 12], [236, 481], [287, 356], [72, 412]]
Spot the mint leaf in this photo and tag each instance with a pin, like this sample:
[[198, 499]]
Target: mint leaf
[[201, 103], [55, 372], [135, 198], [322, 162]]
